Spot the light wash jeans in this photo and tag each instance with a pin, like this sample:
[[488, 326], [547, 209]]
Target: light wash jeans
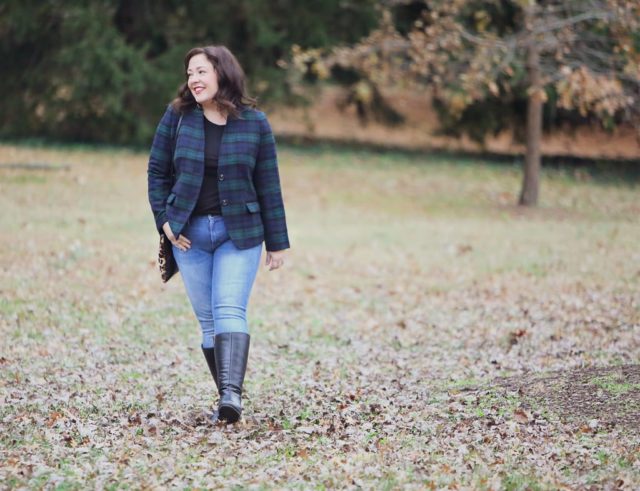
[[217, 276]]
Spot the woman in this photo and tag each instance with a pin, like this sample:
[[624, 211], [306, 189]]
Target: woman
[[222, 203]]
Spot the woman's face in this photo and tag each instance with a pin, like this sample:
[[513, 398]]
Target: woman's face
[[201, 79]]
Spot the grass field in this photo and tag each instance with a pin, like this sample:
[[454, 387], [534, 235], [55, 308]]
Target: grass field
[[424, 333]]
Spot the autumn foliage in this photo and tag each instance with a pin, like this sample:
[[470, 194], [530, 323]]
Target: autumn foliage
[[577, 58]]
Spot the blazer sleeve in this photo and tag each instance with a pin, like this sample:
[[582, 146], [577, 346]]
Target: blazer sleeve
[[266, 180], [159, 172]]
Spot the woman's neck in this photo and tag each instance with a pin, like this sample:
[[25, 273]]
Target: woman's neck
[[213, 113]]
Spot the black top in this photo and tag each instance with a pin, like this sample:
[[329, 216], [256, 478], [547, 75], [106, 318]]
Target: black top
[[209, 200]]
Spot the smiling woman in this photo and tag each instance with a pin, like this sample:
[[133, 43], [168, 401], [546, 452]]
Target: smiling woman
[[224, 203]]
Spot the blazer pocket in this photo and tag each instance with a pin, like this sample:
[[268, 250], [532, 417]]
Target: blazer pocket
[[171, 198], [253, 206]]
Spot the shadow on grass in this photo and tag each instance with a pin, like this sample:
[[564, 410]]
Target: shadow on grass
[[618, 171], [609, 171]]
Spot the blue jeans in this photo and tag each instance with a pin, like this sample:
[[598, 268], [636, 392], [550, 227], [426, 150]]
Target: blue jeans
[[217, 276]]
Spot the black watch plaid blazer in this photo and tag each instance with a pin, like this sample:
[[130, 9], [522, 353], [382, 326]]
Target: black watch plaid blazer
[[248, 178]]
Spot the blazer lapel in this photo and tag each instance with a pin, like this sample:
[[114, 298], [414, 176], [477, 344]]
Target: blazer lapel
[[226, 144], [190, 145]]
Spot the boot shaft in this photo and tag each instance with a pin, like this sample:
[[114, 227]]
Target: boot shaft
[[231, 355]]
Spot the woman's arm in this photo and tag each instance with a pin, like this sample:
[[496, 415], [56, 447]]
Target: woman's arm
[[266, 181], [159, 170]]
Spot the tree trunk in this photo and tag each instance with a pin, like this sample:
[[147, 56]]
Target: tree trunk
[[531, 180]]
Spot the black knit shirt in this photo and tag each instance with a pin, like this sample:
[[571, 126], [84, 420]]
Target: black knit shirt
[[209, 199]]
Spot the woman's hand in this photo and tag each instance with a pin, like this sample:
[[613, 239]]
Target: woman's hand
[[275, 259], [181, 242]]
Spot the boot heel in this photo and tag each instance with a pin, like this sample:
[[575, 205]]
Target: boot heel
[[229, 414]]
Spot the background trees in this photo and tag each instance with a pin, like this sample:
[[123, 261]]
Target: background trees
[[103, 70], [492, 64]]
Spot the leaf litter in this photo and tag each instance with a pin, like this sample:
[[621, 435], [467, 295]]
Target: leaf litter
[[373, 363]]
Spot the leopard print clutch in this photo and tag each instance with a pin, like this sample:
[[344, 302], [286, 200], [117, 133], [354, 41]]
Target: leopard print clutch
[[166, 261]]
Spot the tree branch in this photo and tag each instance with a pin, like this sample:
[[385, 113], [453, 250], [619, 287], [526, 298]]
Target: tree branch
[[548, 26]]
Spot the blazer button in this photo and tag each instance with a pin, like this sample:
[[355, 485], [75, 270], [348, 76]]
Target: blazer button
[[221, 177], [225, 202]]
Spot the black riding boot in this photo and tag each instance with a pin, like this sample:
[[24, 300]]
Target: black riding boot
[[210, 356], [231, 351]]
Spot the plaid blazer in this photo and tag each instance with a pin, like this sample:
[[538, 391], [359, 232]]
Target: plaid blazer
[[248, 179]]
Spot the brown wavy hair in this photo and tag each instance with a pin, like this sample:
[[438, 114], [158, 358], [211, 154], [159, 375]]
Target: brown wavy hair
[[231, 96]]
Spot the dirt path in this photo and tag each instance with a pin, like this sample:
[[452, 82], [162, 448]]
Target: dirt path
[[594, 397]]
